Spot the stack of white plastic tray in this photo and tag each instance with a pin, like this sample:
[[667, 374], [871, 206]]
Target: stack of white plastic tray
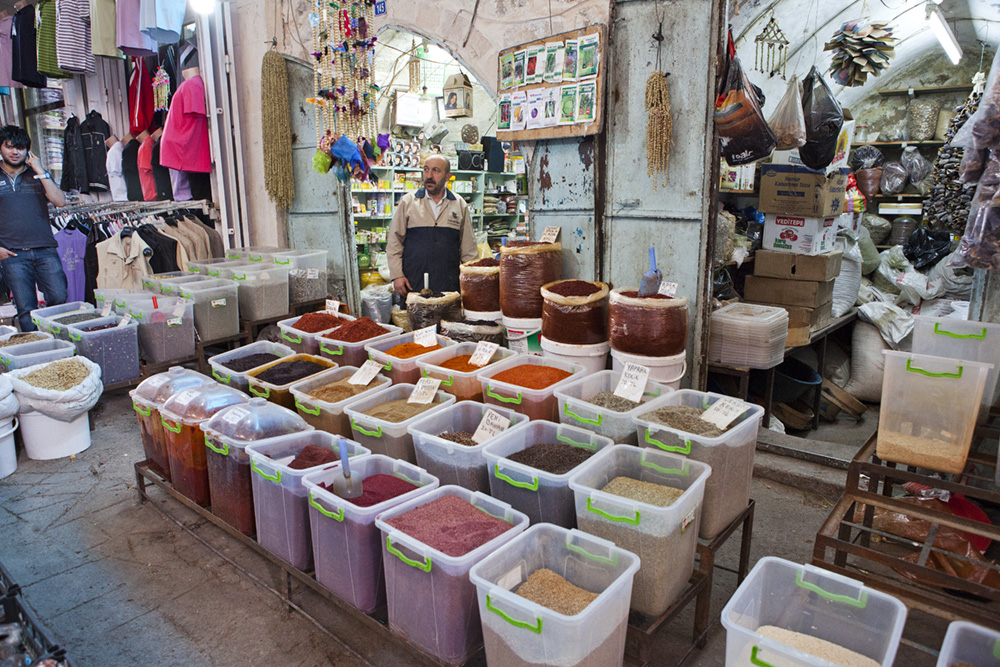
[[749, 335]]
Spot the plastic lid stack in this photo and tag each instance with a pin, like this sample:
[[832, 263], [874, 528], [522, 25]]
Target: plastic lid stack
[[749, 335]]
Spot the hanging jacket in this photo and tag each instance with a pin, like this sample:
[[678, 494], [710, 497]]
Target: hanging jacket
[[74, 176], [95, 132], [123, 260]]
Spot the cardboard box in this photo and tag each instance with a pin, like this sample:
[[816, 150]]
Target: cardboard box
[[789, 266], [796, 191], [799, 234], [457, 96], [844, 141], [805, 293]]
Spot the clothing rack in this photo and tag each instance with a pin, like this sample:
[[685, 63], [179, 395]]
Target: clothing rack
[[132, 207]]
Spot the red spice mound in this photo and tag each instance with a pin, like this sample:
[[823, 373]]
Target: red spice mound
[[360, 329], [532, 376], [312, 455], [378, 489], [633, 294], [313, 322], [450, 525], [574, 288], [461, 364], [407, 350], [485, 261]]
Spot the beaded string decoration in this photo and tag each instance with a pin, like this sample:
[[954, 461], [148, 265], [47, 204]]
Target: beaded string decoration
[[161, 90]]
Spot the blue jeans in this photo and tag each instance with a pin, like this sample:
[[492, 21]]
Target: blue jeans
[[34, 267]]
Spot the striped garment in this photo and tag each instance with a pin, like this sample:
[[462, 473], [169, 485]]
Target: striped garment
[[73, 36]]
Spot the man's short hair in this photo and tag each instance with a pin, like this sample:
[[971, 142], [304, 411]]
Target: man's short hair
[[16, 136]]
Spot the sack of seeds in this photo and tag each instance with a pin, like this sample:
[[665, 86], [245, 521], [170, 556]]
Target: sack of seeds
[[8, 404], [63, 389]]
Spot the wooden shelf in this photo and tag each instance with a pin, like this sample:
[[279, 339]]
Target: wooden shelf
[[908, 195], [931, 90], [929, 142], [737, 192]]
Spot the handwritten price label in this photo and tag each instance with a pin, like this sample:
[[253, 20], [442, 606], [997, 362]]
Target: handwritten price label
[[426, 336], [724, 411], [493, 424], [425, 391], [633, 382], [550, 234], [332, 306], [484, 353], [366, 373], [667, 289]]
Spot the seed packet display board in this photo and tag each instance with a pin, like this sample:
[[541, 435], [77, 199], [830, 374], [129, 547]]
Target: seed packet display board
[[553, 87]]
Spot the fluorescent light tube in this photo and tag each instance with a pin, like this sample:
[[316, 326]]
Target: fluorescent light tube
[[944, 34]]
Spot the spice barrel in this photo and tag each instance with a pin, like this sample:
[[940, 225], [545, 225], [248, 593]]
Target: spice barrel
[[328, 415], [479, 282], [655, 326], [575, 312], [524, 268]]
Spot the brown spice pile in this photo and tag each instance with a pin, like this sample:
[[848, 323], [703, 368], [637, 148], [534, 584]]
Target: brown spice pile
[[684, 418], [18, 339], [459, 437], [59, 375], [548, 589]]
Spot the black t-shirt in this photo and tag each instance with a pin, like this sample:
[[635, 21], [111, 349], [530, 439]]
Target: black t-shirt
[[24, 49], [161, 175], [24, 212], [130, 170]]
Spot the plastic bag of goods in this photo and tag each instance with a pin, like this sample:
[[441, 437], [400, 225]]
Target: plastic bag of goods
[[982, 130], [654, 326], [867, 363], [894, 179], [788, 122], [956, 282], [575, 312], [62, 390], [845, 285], [980, 244], [429, 309], [376, 303], [878, 227], [725, 228], [892, 322], [923, 120], [866, 157], [744, 135], [868, 181], [926, 247], [869, 253], [472, 331], [824, 119], [524, 267], [917, 167], [479, 282], [892, 265], [902, 227]]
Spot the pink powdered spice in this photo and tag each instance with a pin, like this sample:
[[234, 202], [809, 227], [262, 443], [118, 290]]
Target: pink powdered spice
[[378, 489], [450, 525]]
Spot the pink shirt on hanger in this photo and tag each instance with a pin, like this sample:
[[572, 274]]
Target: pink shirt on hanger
[[6, 50], [184, 145], [131, 40], [146, 169]]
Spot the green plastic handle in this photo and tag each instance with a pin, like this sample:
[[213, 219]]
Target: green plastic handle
[[141, 409], [233, 255], [377, 433], [297, 339], [574, 443], [223, 450], [166, 289], [996, 649], [285, 263], [387, 367], [213, 273], [276, 478], [910, 368], [314, 412], [4, 359], [444, 383], [425, 566], [166, 425], [331, 352], [530, 486], [577, 549], [666, 471], [757, 661], [860, 603], [536, 628], [194, 269], [226, 380], [263, 393], [55, 329], [489, 392], [950, 334], [73, 336], [236, 277], [595, 422], [415, 482], [612, 517], [686, 449], [336, 516], [259, 259]]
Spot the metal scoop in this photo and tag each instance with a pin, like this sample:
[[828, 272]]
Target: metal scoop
[[651, 279], [344, 484]]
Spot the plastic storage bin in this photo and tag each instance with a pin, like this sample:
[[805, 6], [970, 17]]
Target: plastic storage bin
[[226, 436], [280, 500], [352, 354], [43, 335], [306, 274], [263, 291], [182, 415], [730, 455], [102, 296], [929, 410], [400, 370], [147, 399], [173, 286], [464, 385], [593, 357], [346, 543], [535, 403], [216, 307], [236, 379], [669, 371], [576, 411], [430, 598], [814, 602], [152, 283], [385, 437], [325, 415], [449, 461], [41, 317], [303, 341], [255, 254], [960, 339], [664, 538], [969, 644], [115, 350], [281, 394], [30, 354], [521, 633], [166, 328], [543, 496], [747, 334], [59, 323], [212, 267]]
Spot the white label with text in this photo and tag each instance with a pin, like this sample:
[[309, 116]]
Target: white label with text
[[218, 303], [724, 411], [366, 373], [106, 310], [312, 274], [332, 306], [484, 353], [550, 234], [426, 336], [125, 320], [633, 382], [667, 289], [425, 391], [492, 424]]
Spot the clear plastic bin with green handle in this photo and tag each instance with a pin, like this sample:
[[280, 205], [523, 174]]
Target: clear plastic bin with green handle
[[328, 415], [216, 307], [969, 644], [38, 352], [575, 408], [238, 379], [307, 274]]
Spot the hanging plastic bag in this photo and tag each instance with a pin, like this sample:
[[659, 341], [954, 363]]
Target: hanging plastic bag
[[894, 179], [918, 168], [744, 134], [980, 245], [868, 181], [982, 130], [824, 119], [787, 122], [866, 157]]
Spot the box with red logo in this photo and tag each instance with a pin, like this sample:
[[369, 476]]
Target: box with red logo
[[799, 234]]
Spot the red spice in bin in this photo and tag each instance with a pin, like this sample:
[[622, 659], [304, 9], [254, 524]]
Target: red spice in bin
[[316, 322], [532, 376], [360, 329]]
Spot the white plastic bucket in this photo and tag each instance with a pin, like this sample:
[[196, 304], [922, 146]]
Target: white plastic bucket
[[523, 334], [483, 316], [47, 438], [592, 357], [8, 455], [666, 370]]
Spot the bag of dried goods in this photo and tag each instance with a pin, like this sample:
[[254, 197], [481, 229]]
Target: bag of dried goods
[[62, 390], [575, 312], [824, 119], [788, 123]]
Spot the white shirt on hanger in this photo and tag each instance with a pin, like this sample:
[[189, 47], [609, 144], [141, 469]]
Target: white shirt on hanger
[[116, 179]]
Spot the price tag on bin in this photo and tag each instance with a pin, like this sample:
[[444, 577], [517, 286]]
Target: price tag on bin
[[106, 309], [366, 373], [493, 424], [426, 336], [667, 289], [125, 320], [633, 382], [332, 306], [484, 353], [724, 411], [425, 391], [550, 234]]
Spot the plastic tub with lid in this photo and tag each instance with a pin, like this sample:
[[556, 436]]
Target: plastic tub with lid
[[969, 644], [238, 379], [329, 415], [173, 286], [253, 254], [575, 410], [306, 274], [352, 354], [960, 339], [543, 496], [263, 290], [147, 399], [929, 410], [115, 350], [42, 317], [166, 327], [386, 437], [464, 385], [280, 500], [152, 283], [730, 455], [281, 394], [664, 538], [182, 416], [212, 267], [518, 632], [216, 307], [451, 462], [593, 358], [31, 354], [809, 601], [227, 435], [306, 342], [430, 599], [535, 403], [400, 370], [347, 549]]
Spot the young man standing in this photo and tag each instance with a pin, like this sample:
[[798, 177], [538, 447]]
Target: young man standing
[[28, 251]]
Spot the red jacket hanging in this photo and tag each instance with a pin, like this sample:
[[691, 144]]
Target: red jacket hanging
[[140, 97]]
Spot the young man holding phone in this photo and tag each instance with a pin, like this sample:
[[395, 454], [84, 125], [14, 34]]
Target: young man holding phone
[[28, 250]]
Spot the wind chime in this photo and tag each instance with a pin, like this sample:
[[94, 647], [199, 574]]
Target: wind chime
[[771, 50]]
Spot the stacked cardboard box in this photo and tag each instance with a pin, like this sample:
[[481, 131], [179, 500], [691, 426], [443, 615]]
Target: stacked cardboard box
[[802, 207]]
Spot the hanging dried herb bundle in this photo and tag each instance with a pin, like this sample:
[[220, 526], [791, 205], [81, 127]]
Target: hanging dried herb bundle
[[277, 130], [659, 128]]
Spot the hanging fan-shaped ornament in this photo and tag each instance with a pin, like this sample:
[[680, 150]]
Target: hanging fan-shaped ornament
[[860, 48], [771, 50], [470, 133]]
